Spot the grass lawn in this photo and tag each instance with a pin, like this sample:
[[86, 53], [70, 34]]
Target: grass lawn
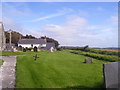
[[8, 53], [1, 62], [60, 69]]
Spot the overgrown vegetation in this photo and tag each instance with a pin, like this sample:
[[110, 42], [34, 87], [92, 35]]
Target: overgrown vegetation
[[102, 52], [98, 56]]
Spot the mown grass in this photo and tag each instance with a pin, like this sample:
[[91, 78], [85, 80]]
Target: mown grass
[[60, 69], [1, 62], [8, 53]]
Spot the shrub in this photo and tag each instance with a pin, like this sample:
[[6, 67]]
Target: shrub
[[99, 56], [35, 49], [24, 50]]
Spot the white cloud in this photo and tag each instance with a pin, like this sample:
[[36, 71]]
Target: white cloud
[[77, 31], [58, 13], [10, 10], [11, 24], [114, 20], [100, 9]]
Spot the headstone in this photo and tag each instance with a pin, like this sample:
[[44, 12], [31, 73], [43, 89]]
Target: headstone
[[51, 49], [89, 60], [112, 74]]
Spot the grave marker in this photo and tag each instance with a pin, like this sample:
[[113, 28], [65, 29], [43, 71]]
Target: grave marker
[[35, 57], [111, 72], [89, 60]]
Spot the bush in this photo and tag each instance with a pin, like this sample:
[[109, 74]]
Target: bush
[[101, 52], [35, 49], [59, 48], [99, 56], [24, 50]]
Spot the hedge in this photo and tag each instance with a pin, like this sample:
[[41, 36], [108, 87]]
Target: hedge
[[98, 56]]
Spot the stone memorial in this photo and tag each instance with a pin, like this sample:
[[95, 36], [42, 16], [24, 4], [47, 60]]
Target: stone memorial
[[51, 49], [89, 60], [111, 72], [35, 57]]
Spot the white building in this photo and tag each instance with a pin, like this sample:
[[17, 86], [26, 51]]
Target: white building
[[31, 43]]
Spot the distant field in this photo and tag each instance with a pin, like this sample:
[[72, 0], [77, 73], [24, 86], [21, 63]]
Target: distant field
[[60, 69], [111, 50]]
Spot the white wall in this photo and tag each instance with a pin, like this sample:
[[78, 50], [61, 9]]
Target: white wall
[[29, 45], [25, 45]]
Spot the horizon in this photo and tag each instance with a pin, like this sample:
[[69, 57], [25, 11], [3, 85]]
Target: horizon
[[70, 23]]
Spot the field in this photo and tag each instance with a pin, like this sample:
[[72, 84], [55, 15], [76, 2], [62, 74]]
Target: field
[[110, 50], [60, 69]]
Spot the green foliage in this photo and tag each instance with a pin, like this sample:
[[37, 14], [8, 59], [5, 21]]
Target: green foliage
[[98, 56], [24, 49], [71, 48], [85, 47], [35, 49], [28, 37], [1, 62], [102, 52], [58, 70], [59, 48], [8, 53], [15, 37]]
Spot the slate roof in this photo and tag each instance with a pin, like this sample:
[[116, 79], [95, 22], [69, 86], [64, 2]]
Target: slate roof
[[32, 41], [49, 45]]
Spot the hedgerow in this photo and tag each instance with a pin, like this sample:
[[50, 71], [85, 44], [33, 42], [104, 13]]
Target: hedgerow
[[98, 56]]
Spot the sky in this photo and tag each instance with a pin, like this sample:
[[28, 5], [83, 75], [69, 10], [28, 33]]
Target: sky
[[70, 23]]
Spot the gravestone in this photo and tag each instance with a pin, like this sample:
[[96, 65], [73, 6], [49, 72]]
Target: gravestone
[[89, 60], [111, 72], [51, 49]]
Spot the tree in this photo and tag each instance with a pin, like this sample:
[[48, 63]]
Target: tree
[[85, 47]]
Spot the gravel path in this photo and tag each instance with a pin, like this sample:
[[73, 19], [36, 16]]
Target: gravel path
[[7, 72]]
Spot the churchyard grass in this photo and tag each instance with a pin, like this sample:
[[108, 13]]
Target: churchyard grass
[[60, 69], [1, 62], [8, 53]]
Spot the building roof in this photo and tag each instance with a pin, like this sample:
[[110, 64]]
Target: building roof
[[49, 45], [32, 41]]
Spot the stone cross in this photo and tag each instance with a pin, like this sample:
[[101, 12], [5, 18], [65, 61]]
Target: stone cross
[[111, 72], [35, 57]]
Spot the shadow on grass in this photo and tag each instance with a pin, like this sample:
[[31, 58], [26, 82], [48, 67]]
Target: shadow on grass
[[97, 86]]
